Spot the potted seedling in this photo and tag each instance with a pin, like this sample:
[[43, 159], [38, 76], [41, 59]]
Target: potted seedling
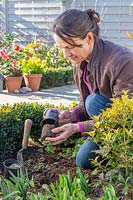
[[49, 122]]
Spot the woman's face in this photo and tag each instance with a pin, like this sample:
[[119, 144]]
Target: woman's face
[[74, 53]]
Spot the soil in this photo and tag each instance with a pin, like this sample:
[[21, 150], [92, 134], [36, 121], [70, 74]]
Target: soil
[[45, 167]]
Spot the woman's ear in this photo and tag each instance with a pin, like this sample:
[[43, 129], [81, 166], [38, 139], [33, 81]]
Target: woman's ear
[[90, 37]]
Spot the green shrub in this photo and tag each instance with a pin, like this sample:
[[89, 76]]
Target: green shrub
[[114, 132], [12, 118], [11, 124], [55, 58], [54, 77]]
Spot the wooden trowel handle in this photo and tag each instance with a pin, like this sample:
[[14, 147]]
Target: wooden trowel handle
[[27, 129]]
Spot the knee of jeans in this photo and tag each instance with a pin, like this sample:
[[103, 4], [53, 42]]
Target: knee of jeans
[[90, 102], [82, 163], [86, 154]]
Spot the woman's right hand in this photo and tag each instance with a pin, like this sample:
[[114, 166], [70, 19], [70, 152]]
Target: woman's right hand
[[66, 116]]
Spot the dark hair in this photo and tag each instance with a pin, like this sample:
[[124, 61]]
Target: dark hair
[[76, 23]]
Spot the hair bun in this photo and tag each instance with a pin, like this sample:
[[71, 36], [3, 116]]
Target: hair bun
[[93, 15]]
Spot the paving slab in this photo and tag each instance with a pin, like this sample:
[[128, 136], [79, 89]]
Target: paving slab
[[64, 95]]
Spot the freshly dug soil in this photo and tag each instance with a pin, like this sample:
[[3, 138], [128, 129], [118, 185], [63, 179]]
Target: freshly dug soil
[[45, 167]]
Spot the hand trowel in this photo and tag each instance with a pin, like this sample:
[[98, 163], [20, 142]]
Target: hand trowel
[[27, 130]]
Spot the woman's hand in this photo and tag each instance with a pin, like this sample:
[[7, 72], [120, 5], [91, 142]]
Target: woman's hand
[[65, 132], [66, 116]]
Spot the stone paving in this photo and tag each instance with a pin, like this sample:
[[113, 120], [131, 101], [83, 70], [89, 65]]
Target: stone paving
[[59, 95]]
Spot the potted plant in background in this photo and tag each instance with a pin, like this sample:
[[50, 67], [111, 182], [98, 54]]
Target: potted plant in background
[[11, 69], [32, 65], [32, 70]]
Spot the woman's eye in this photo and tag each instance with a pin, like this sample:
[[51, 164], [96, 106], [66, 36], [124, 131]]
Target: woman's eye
[[70, 47]]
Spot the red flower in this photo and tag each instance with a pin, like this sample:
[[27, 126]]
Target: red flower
[[14, 63], [15, 69], [17, 47], [3, 55]]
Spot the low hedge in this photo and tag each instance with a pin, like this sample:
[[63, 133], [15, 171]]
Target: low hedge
[[57, 77], [12, 119]]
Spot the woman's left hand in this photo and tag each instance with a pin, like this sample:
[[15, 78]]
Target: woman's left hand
[[64, 131]]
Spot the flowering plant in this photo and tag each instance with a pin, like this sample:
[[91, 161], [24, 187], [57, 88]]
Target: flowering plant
[[32, 65], [9, 63]]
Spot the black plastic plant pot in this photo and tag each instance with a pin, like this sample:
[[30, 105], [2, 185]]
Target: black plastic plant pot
[[51, 117], [12, 166]]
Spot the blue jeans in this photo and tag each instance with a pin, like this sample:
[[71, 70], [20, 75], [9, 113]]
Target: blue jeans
[[94, 104]]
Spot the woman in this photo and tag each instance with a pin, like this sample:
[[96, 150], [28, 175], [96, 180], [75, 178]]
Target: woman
[[102, 70]]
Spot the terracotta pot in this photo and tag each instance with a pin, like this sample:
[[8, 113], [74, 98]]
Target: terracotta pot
[[33, 81], [13, 83]]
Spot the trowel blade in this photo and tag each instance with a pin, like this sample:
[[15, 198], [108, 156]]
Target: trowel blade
[[20, 156]]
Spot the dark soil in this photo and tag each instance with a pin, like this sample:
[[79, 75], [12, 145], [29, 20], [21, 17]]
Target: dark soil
[[45, 167]]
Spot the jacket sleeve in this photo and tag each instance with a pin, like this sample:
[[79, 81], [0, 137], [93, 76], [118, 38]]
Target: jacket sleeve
[[79, 112], [86, 126], [123, 78]]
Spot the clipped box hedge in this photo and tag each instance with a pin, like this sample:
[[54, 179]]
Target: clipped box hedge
[[12, 120], [57, 77]]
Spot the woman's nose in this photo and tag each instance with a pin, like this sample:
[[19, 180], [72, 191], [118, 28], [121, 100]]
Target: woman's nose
[[67, 54]]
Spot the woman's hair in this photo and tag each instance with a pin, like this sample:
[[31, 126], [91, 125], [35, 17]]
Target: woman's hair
[[76, 23]]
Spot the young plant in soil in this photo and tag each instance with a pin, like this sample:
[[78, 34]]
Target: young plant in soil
[[17, 187], [14, 166], [67, 188]]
